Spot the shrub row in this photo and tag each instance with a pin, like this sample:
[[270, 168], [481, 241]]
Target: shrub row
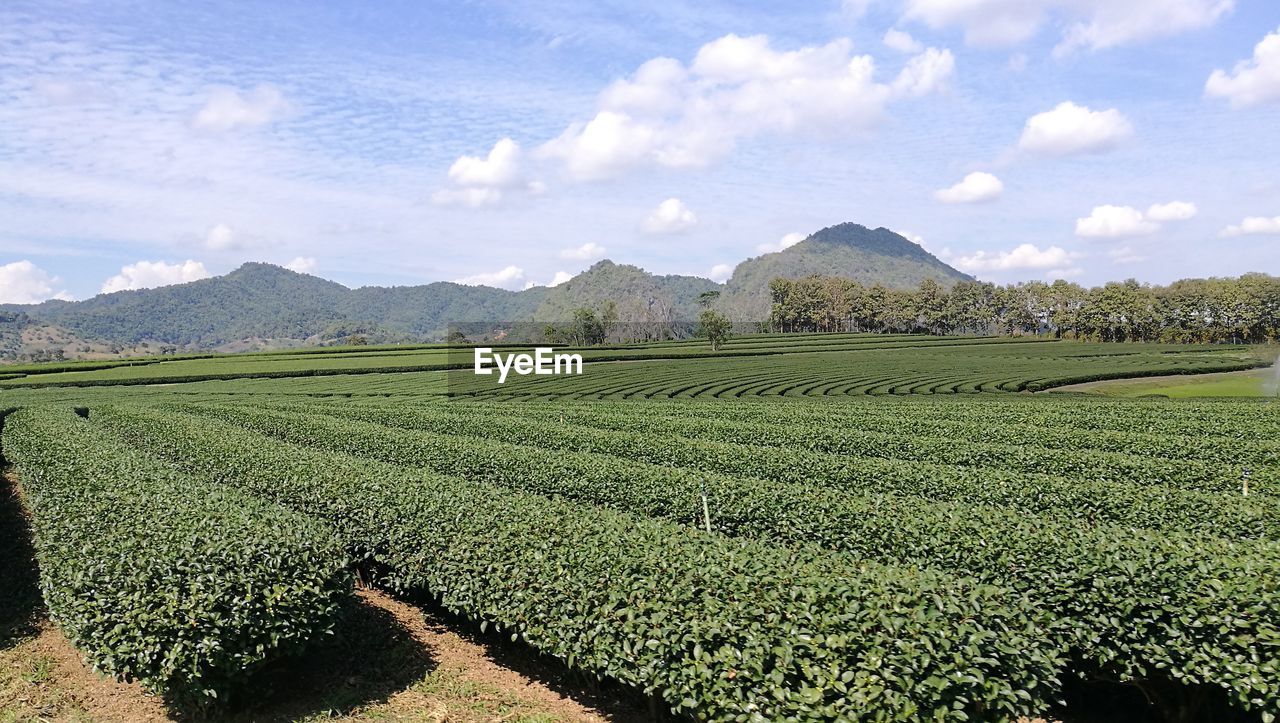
[[1139, 467], [986, 422], [1202, 612], [158, 579], [561, 448], [721, 628]]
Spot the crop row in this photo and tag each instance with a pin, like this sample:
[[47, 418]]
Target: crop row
[[511, 448], [158, 579], [721, 628], [772, 440], [1202, 609], [985, 422]]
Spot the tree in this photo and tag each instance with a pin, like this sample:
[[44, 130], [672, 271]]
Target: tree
[[707, 298], [715, 326]]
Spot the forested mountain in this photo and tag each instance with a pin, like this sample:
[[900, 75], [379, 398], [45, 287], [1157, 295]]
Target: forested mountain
[[261, 306], [639, 295], [846, 250]]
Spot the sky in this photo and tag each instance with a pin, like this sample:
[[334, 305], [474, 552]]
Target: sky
[[514, 144]]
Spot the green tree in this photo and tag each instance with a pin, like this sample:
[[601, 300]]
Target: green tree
[[715, 326]]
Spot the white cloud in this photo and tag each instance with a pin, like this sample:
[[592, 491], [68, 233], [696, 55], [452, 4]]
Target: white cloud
[[1115, 222], [1069, 129], [559, 278], [720, 273], [1120, 221], [302, 264], [481, 181], [22, 282], [926, 73], [975, 188], [150, 274], [227, 108], [901, 41], [676, 116], [589, 251], [509, 277], [500, 169], [1250, 82], [221, 238], [1089, 24], [1172, 211], [1025, 256], [786, 242], [1253, 225], [671, 216]]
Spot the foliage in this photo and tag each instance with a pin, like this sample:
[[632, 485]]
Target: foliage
[[715, 327], [185, 588], [722, 629], [1239, 310]]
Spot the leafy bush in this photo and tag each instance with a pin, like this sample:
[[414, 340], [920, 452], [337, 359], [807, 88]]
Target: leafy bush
[[1132, 605], [156, 578], [721, 628]]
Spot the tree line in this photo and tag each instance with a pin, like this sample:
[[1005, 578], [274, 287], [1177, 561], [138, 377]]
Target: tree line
[[1214, 310]]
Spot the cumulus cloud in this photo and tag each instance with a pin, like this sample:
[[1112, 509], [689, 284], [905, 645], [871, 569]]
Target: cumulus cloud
[[1115, 222], [150, 274], [1025, 256], [227, 108], [1070, 129], [302, 264], [720, 273], [22, 282], [589, 251], [1172, 211], [1253, 81], [902, 42], [1122, 221], [1253, 225], [500, 169], [1087, 24], [481, 181], [671, 216], [509, 277], [221, 238], [559, 278], [976, 187], [674, 115], [786, 242]]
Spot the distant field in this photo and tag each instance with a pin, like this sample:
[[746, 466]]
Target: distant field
[[1250, 383], [764, 365]]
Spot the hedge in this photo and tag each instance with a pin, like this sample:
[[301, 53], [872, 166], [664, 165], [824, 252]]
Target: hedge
[[720, 628], [183, 587]]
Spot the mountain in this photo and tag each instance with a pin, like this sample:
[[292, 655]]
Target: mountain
[[264, 306], [849, 250], [639, 295]]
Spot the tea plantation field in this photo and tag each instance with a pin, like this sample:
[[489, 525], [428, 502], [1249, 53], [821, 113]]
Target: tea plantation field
[[803, 534]]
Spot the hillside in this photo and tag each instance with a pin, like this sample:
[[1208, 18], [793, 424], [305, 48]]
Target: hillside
[[847, 250], [264, 306], [640, 296]]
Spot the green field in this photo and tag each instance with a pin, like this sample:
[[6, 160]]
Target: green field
[[806, 528], [1250, 383]]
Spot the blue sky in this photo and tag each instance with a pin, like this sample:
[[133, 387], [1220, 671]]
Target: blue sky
[[512, 143]]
